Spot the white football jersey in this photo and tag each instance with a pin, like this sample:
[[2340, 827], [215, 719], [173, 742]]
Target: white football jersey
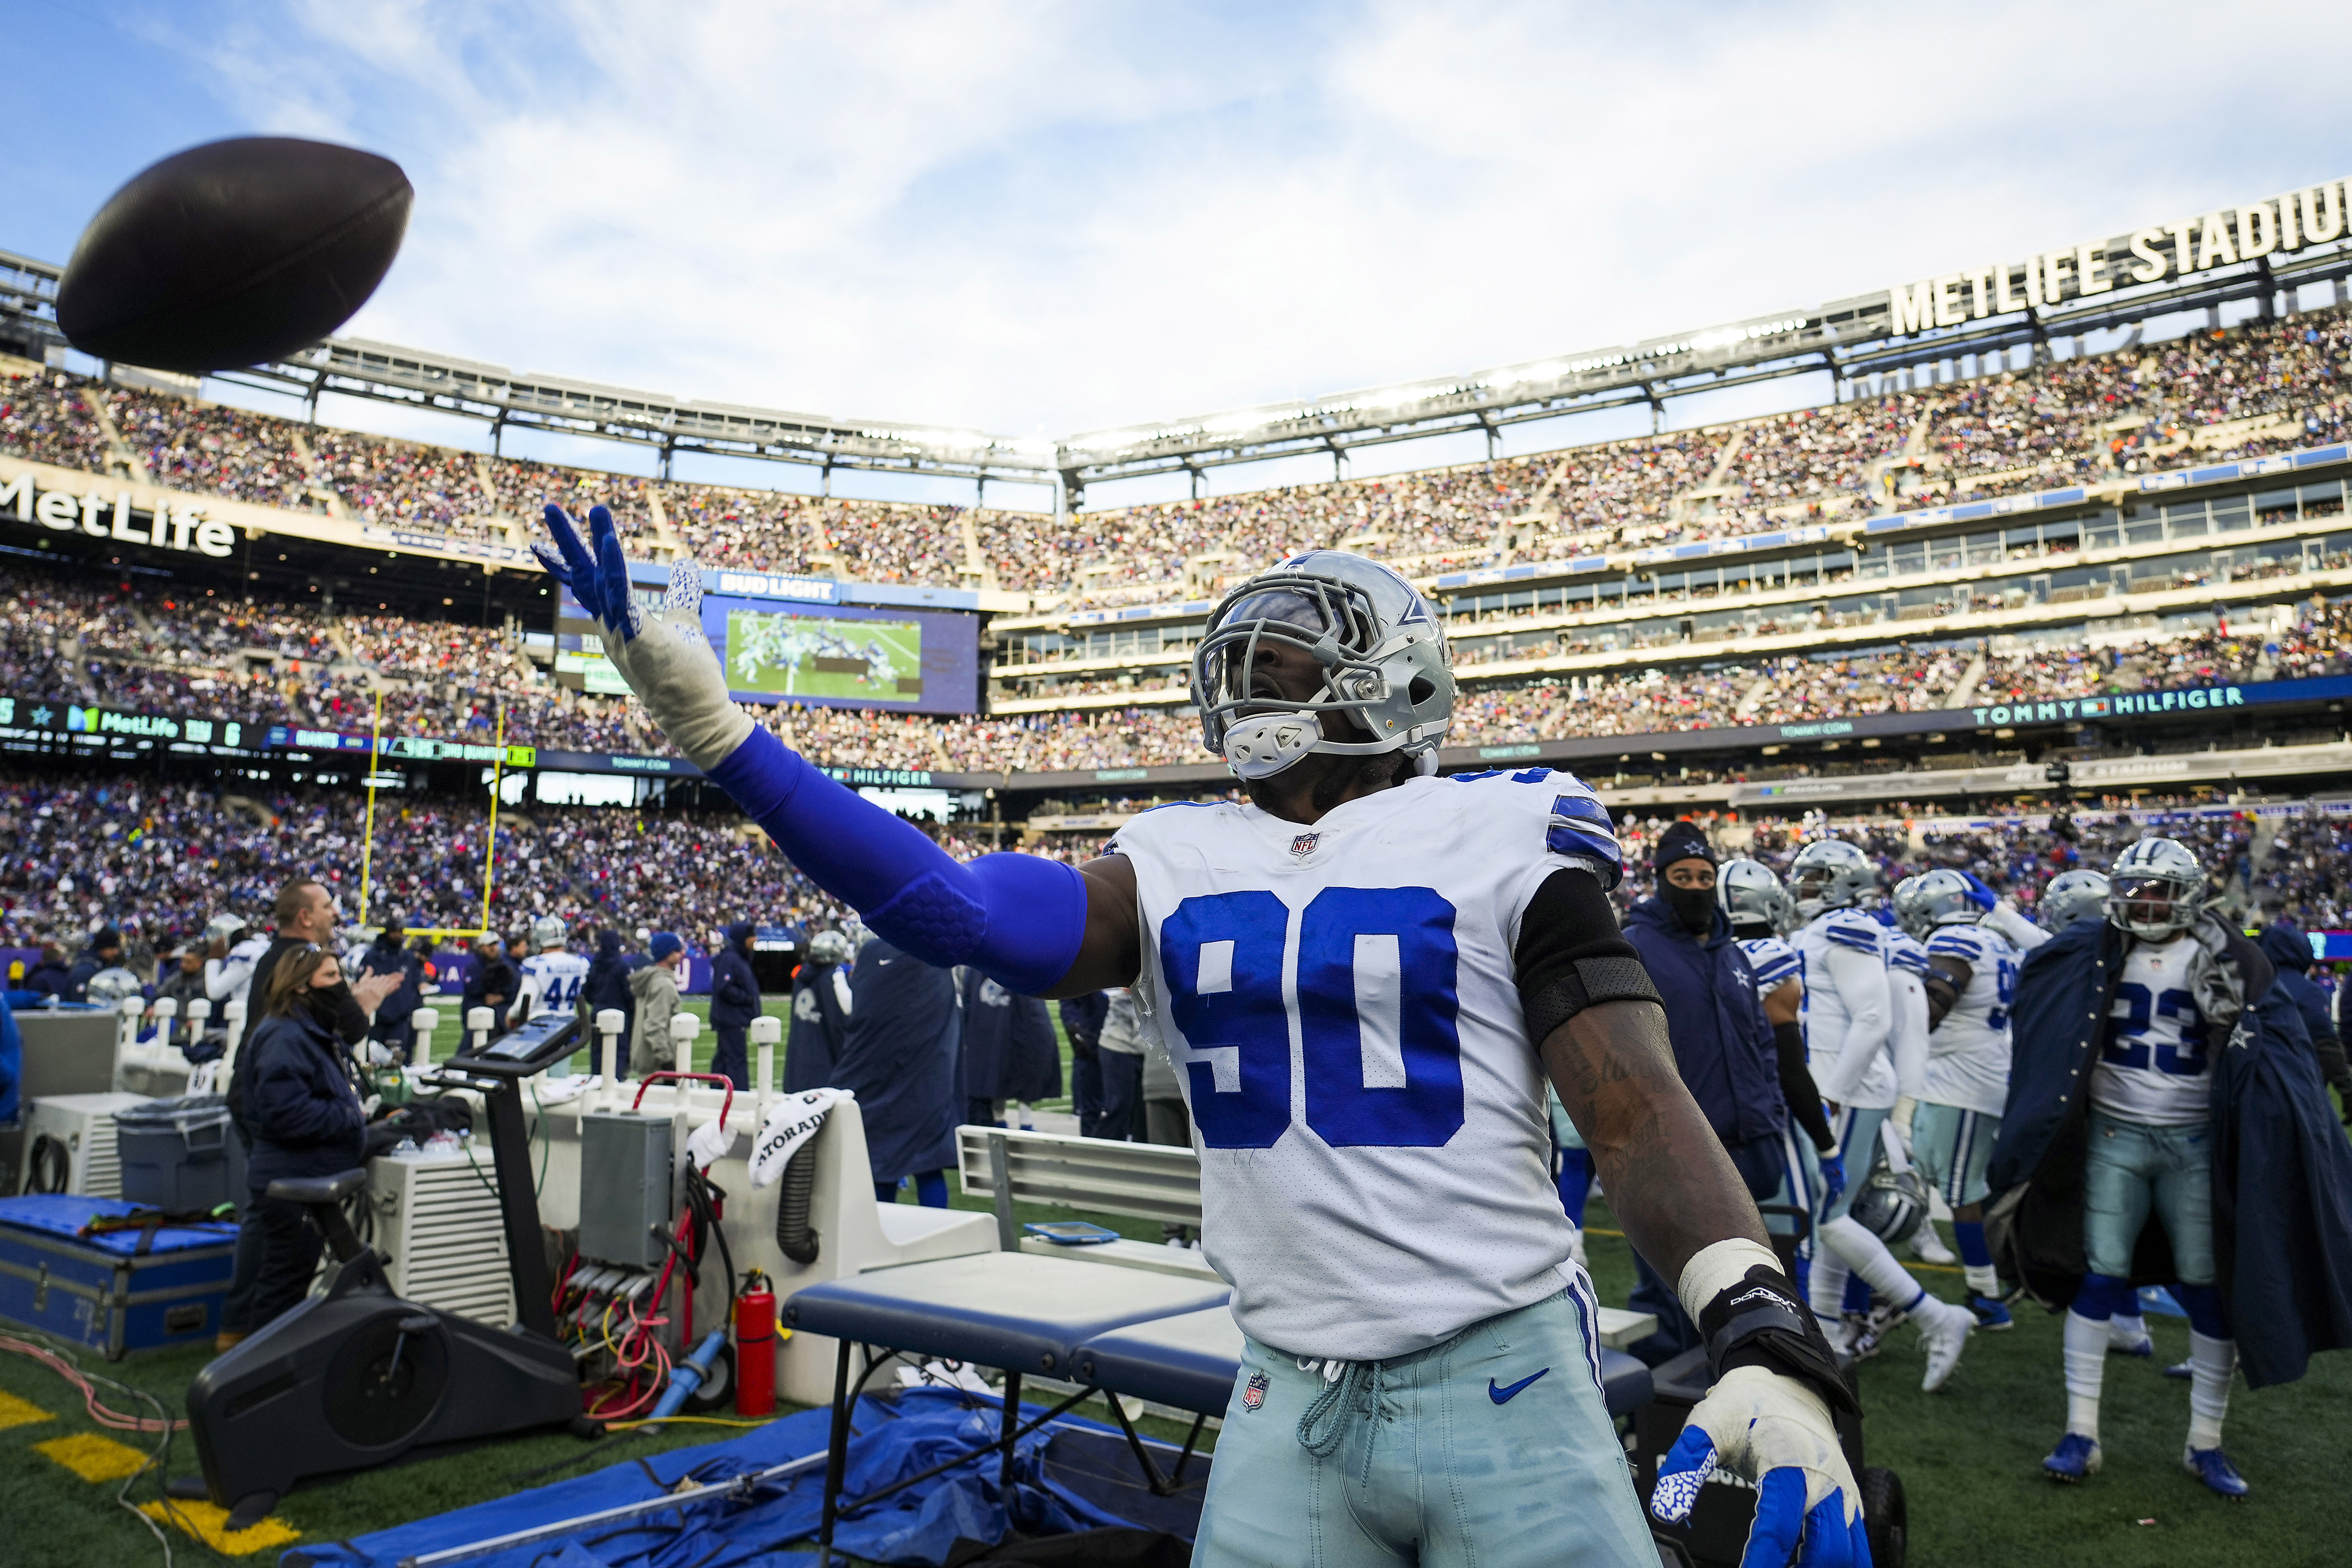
[[1827, 1016], [2153, 1063], [1906, 987], [552, 982], [1775, 962], [1968, 1055], [1341, 1006], [230, 980]]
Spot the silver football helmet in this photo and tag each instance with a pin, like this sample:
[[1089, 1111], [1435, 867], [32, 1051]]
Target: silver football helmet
[[1906, 914], [547, 931], [1892, 1204], [1749, 894], [109, 987], [2070, 896], [1830, 874], [2154, 889], [1938, 897], [1381, 650], [828, 948]]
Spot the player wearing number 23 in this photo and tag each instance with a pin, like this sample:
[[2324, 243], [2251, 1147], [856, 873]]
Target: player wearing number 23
[[1363, 977], [2166, 1124]]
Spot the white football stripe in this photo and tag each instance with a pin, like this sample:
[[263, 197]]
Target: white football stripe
[[1379, 1016]]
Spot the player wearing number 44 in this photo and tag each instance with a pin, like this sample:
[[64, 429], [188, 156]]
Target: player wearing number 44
[[2166, 1124], [1363, 976]]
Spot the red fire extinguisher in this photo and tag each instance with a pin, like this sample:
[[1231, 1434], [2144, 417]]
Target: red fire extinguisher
[[755, 1346]]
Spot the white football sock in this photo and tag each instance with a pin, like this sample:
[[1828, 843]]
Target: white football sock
[[2086, 1367], [2122, 1330], [1825, 1286], [2210, 1362], [1867, 1256], [1983, 1280]]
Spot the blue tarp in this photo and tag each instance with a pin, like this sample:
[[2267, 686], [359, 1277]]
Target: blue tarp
[[895, 1436]]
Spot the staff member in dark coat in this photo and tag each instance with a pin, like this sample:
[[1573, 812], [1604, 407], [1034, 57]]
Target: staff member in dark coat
[[899, 1056], [1032, 1057], [51, 975], [2289, 950], [1082, 1020], [1721, 1038], [734, 1003], [607, 985], [305, 1117], [984, 1055], [493, 982], [820, 1003], [388, 955]]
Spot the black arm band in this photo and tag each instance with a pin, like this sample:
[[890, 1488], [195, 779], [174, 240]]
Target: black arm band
[[1762, 1322], [1588, 983]]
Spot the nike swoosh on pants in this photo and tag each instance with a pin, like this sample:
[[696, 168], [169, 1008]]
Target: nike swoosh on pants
[[1504, 1395]]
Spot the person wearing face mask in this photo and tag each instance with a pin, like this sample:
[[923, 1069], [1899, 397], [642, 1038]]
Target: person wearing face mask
[[305, 1117], [1722, 1042]]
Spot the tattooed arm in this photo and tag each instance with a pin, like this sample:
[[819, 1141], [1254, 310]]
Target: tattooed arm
[[1602, 1033], [1668, 1179]]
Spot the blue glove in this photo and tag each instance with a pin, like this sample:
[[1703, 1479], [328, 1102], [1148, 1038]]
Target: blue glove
[[1983, 897], [1832, 1177], [1774, 1431]]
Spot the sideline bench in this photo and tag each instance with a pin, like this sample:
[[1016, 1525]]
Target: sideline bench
[[1134, 1181]]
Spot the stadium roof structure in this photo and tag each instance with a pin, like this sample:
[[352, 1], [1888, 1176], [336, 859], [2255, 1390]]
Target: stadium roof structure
[[1854, 340]]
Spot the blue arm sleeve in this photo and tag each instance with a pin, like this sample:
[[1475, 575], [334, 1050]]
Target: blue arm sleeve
[[1017, 918]]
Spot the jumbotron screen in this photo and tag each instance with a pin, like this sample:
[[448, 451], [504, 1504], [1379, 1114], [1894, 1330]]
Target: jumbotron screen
[[822, 655]]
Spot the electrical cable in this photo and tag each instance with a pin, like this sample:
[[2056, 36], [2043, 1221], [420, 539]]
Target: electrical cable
[[61, 1362]]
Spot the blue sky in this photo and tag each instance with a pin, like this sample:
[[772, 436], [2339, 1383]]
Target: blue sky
[[1041, 218]]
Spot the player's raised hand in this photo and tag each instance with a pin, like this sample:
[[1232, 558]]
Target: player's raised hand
[[1775, 1431], [666, 658]]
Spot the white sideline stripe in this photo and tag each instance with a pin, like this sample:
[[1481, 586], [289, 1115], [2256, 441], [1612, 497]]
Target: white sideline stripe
[[1379, 1009]]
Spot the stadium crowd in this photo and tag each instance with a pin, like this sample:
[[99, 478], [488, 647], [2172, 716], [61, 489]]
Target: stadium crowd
[[285, 664], [2249, 391]]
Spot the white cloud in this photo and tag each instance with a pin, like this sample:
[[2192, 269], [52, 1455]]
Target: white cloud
[[1051, 218]]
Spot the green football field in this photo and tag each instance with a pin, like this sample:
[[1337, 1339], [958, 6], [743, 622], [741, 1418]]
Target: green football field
[[823, 656]]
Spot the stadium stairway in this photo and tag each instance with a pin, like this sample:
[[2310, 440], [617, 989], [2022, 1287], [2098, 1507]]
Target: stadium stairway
[[318, 488], [131, 463], [1970, 679]]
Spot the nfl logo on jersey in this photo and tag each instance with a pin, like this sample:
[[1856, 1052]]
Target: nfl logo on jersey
[[1303, 844], [1253, 1395]]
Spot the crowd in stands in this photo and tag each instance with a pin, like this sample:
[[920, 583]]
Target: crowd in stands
[[273, 663], [157, 860], [2252, 390]]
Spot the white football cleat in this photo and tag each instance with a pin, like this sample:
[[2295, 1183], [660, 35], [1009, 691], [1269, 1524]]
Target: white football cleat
[[1944, 1331], [1928, 1247]]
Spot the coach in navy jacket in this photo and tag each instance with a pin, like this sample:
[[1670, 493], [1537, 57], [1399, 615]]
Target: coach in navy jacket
[[2290, 949], [734, 1003], [1722, 1042], [2282, 1169]]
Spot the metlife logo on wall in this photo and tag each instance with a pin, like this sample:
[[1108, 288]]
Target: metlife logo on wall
[[182, 525]]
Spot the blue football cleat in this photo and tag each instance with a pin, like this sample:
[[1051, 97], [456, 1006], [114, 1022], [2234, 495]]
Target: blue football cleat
[[2143, 1347], [2075, 1458], [2183, 1370], [1991, 1316], [2212, 1466]]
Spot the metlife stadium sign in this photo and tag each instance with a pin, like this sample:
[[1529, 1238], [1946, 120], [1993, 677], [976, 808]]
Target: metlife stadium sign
[[2177, 248], [50, 717], [182, 525]]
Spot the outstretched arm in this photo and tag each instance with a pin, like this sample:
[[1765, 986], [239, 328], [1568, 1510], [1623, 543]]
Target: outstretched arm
[[1037, 926]]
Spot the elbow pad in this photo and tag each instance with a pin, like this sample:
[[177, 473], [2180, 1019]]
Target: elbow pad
[[1016, 918]]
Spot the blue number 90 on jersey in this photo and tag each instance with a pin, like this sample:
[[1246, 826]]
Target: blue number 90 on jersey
[[1373, 1005]]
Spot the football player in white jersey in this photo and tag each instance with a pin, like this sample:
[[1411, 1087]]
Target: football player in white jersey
[[552, 976], [2151, 1149], [1760, 911], [1849, 1022], [228, 971], [1971, 983], [1363, 976]]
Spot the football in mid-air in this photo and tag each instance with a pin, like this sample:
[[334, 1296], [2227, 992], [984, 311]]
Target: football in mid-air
[[235, 253]]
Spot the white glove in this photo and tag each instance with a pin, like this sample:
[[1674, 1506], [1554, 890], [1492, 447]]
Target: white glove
[[2007, 920], [1776, 1432], [665, 657]]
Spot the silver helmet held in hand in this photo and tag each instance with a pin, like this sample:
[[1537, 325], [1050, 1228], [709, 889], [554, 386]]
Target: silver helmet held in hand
[[2154, 889], [1382, 650], [2069, 896], [1830, 874], [1749, 894]]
